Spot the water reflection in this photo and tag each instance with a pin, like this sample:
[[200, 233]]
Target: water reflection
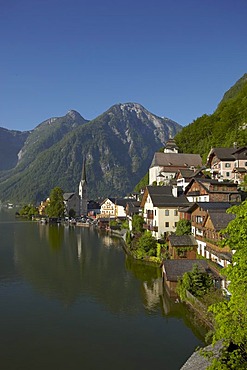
[[76, 293]]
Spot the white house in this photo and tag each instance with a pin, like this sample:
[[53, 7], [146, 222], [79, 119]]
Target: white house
[[165, 165], [160, 209], [113, 208]]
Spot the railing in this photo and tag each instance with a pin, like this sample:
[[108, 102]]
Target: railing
[[150, 227]]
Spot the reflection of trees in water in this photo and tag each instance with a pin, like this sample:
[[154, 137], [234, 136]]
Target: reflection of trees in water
[[84, 266], [56, 235]]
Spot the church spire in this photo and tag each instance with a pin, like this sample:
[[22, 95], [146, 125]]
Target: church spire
[[83, 190]]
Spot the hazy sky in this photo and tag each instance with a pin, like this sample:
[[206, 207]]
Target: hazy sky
[[175, 57]]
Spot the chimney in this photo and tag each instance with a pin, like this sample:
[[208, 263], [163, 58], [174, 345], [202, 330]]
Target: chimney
[[175, 191]]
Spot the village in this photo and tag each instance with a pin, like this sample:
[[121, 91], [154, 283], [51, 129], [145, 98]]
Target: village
[[180, 188]]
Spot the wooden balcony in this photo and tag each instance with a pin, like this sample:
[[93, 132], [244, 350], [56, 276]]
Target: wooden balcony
[[150, 228]]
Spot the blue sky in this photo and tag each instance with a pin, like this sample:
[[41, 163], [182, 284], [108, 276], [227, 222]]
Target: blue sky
[[175, 57]]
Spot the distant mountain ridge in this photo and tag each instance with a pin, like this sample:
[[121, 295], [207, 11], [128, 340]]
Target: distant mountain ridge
[[118, 147]]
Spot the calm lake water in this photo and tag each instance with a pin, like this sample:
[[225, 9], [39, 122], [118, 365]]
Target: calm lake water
[[71, 299]]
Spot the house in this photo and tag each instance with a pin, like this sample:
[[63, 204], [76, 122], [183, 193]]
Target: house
[[71, 202], [160, 206], [173, 270], [165, 165], [212, 225], [184, 175], [210, 190], [113, 208], [184, 246], [133, 207], [223, 163], [207, 220]]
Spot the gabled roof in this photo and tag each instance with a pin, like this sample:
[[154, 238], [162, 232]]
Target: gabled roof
[[220, 219], [223, 154], [183, 240], [189, 173], [67, 196], [206, 206], [206, 184], [162, 196], [175, 269], [118, 201], [176, 160]]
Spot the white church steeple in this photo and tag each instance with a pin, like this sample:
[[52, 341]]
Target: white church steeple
[[83, 191]]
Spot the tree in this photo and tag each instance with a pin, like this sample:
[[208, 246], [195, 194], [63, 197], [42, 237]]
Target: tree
[[231, 315], [183, 227], [147, 244], [28, 211], [196, 282], [137, 224], [56, 205]]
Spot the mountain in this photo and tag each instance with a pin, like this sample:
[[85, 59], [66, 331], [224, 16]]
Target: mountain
[[226, 126], [11, 143], [118, 147]]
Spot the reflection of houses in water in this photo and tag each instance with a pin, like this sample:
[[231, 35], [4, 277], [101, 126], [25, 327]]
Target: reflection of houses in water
[[153, 291]]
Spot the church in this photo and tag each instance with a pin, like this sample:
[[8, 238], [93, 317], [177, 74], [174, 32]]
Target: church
[[76, 203], [83, 191]]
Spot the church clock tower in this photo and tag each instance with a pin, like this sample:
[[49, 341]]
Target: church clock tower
[[83, 191]]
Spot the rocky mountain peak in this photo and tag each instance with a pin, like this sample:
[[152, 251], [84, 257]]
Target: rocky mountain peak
[[74, 114]]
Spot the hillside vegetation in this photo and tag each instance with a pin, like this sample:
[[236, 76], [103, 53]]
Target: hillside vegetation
[[227, 125], [118, 147]]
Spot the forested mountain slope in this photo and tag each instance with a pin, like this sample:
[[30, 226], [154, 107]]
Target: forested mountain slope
[[227, 125], [118, 147]]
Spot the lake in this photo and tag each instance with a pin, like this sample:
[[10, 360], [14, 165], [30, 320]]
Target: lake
[[70, 298]]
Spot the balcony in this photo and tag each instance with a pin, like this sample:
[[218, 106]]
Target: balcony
[[150, 228]]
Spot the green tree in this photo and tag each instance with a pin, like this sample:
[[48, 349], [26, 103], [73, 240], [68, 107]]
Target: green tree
[[183, 227], [196, 282], [56, 205], [147, 244], [137, 224], [28, 211], [231, 315]]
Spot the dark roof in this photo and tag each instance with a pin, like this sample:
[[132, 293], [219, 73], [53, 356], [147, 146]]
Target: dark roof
[[176, 268], [240, 169], [214, 205], [220, 219], [183, 240], [176, 159], [220, 254], [133, 207], [171, 144], [209, 206], [240, 153], [189, 173], [67, 196], [224, 154], [162, 196]]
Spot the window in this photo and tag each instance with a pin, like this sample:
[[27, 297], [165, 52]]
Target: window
[[166, 224], [167, 212], [227, 174], [227, 165], [175, 224], [175, 212]]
